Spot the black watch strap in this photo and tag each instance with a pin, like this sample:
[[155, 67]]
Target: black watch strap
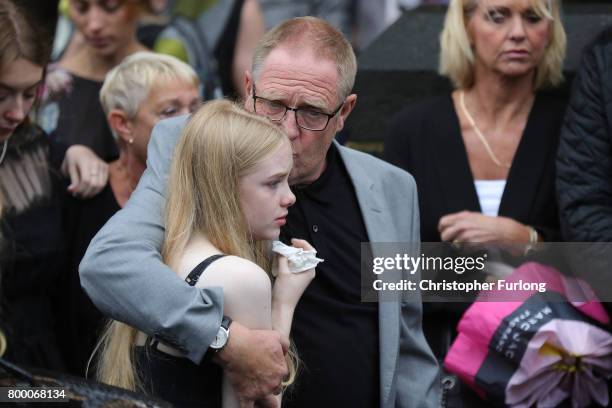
[[225, 322]]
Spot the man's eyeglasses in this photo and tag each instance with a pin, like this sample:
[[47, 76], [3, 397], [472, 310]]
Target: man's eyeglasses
[[306, 118]]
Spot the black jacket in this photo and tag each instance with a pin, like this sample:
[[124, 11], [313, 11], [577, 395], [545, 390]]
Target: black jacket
[[584, 162], [425, 140]]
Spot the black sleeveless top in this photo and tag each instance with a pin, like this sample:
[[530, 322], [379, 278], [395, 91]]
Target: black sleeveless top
[[175, 379]]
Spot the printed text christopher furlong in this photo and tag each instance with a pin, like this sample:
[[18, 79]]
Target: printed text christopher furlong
[[473, 286]]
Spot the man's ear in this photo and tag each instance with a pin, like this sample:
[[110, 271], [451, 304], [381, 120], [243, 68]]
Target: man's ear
[[248, 84], [347, 108], [120, 124]]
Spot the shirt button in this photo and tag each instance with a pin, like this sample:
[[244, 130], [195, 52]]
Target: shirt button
[[315, 228]]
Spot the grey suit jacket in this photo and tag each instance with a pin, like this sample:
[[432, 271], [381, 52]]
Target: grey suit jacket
[[123, 273]]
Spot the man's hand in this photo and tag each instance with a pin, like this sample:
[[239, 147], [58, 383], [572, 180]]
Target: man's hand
[[254, 361], [88, 173]]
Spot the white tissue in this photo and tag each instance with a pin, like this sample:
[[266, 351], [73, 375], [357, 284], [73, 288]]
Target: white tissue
[[299, 260]]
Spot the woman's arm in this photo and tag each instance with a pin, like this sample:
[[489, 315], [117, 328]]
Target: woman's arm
[[475, 227], [288, 289]]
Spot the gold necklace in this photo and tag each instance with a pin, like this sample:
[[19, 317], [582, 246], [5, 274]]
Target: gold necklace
[[479, 133]]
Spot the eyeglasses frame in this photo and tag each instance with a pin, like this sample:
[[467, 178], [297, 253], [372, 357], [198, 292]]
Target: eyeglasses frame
[[295, 110]]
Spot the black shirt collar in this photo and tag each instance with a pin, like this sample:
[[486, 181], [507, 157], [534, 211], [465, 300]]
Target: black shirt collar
[[322, 188]]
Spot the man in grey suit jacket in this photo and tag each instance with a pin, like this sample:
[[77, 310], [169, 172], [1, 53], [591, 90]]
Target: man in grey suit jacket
[[302, 76]]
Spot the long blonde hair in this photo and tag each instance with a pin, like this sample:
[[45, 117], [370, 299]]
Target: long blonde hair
[[220, 144]]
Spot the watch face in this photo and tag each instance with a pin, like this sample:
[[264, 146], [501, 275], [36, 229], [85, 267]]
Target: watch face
[[220, 339]]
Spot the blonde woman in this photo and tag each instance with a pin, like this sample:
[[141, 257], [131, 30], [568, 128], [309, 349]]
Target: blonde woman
[[496, 132], [144, 89], [483, 155], [228, 196]]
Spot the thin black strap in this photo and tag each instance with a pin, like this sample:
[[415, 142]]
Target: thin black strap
[[151, 342], [195, 273]]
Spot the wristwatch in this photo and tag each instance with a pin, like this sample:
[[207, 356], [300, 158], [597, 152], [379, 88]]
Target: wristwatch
[[222, 335]]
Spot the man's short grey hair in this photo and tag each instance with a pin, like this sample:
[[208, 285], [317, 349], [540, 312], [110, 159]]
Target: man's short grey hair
[[322, 38], [128, 84]]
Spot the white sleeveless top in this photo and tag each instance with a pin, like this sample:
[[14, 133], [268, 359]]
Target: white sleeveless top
[[489, 195]]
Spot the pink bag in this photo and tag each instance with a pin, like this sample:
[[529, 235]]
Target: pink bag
[[539, 350]]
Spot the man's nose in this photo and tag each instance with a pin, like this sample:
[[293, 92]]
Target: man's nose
[[290, 126]]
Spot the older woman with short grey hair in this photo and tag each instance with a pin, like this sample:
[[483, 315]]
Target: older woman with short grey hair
[[143, 89]]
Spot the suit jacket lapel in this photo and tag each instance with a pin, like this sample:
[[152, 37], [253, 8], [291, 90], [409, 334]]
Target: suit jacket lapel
[[452, 163], [529, 163], [378, 222]]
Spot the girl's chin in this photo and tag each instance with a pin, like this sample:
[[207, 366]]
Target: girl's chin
[[268, 236]]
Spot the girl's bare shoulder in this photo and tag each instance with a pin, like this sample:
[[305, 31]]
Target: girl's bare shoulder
[[237, 272]]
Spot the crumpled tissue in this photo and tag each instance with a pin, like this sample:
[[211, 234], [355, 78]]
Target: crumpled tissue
[[299, 259]]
